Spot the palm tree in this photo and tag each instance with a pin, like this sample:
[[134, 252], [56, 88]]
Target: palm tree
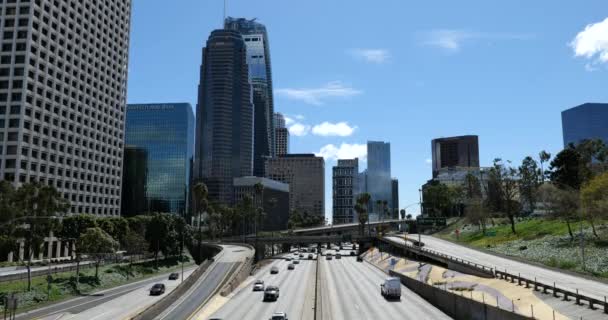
[[544, 157], [259, 199], [402, 212], [364, 200], [246, 208], [200, 193]]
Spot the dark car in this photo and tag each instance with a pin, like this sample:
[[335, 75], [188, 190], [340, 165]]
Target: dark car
[[157, 289], [359, 259], [352, 253], [291, 266], [174, 276], [310, 256], [271, 293], [274, 270]]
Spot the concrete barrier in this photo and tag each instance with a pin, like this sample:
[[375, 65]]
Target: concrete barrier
[[454, 305]]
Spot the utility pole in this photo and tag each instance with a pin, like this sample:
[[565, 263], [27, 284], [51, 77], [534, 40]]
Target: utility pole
[[582, 242], [182, 254]]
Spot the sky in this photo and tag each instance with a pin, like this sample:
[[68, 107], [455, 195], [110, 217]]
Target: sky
[[406, 72]]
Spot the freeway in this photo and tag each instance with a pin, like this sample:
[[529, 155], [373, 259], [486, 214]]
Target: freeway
[[194, 299], [351, 290], [73, 307], [591, 288], [296, 298]]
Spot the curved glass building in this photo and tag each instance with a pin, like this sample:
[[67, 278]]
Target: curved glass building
[[587, 121]]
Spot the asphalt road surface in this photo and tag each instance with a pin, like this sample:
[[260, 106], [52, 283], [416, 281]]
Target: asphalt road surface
[[562, 280], [296, 296], [73, 307], [190, 303], [351, 290]]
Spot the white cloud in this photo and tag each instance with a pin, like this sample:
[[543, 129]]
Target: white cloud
[[326, 129], [428, 161], [299, 129], [453, 39], [378, 56], [592, 43], [345, 151], [288, 121], [299, 117], [316, 96]]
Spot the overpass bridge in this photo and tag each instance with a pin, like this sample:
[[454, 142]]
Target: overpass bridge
[[352, 228]]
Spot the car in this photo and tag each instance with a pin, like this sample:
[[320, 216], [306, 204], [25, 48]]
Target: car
[[291, 266], [313, 250], [310, 256], [274, 270], [328, 257], [303, 249], [271, 293], [391, 288], [279, 316], [288, 259], [157, 289], [338, 256], [353, 253], [174, 276], [296, 262], [301, 255], [258, 285], [359, 259]]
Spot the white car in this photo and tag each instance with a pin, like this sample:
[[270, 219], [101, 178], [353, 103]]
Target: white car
[[279, 316], [391, 288], [258, 285]]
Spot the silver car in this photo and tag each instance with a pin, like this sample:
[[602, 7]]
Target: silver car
[[258, 285]]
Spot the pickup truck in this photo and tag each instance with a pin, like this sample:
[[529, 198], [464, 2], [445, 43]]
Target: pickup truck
[[391, 288]]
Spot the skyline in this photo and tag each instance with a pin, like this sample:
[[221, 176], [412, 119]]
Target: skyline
[[435, 69]]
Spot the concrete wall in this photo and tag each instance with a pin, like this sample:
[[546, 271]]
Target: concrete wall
[[454, 305]]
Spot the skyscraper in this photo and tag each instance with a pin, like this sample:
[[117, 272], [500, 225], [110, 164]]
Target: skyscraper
[[260, 73], [395, 198], [63, 83], [279, 120], [462, 151], [159, 141], [281, 134], [345, 177], [379, 173], [224, 115], [305, 174], [585, 122]]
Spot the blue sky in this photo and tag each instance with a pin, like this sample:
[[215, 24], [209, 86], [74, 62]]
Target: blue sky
[[349, 71]]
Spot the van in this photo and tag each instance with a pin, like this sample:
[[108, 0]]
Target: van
[[391, 288]]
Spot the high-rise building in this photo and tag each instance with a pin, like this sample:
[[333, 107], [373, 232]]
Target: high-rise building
[[275, 199], [305, 174], [63, 83], [585, 122], [345, 185], [378, 176], [224, 116], [260, 73], [395, 198], [159, 141], [281, 134], [462, 151]]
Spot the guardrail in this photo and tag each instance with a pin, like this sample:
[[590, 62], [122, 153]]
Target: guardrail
[[545, 288]]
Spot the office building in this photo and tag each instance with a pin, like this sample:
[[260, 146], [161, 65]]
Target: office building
[[159, 141], [305, 175], [345, 186], [461, 151], [378, 176], [395, 198], [281, 134], [63, 83], [585, 122], [275, 199], [260, 73], [279, 120], [224, 116]]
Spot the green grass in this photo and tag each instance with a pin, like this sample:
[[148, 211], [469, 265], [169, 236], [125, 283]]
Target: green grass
[[63, 284]]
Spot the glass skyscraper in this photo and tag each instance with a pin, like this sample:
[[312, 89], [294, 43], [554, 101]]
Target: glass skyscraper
[[379, 184], [159, 150], [587, 121], [260, 75]]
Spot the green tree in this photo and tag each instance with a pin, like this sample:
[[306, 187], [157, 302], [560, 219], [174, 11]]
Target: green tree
[[503, 180], [543, 156], [200, 193], [476, 213], [472, 186], [361, 208], [98, 244], [529, 177], [71, 229], [560, 203], [8, 214], [594, 199], [402, 213], [437, 199], [259, 209], [157, 234], [568, 169]]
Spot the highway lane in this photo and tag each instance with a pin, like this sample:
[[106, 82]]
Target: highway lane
[[562, 280], [191, 302], [296, 294], [81, 304], [351, 290]]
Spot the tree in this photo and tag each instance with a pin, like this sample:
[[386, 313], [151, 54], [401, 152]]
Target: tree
[[200, 193], [361, 208], [543, 156], [409, 216], [157, 234], [503, 180], [38, 206], [98, 244], [8, 213], [436, 198], [476, 213], [472, 186], [116, 227], [594, 199], [259, 209], [72, 227], [560, 203], [402, 213], [529, 177], [568, 169]]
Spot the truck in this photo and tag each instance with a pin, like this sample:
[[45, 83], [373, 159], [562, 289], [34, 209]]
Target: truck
[[391, 288]]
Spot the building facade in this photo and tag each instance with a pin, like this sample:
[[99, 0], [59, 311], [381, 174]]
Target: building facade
[[345, 176], [378, 176], [255, 36], [279, 120], [224, 116], [160, 140], [275, 200], [305, 175], [281, 134], [585, 122], [395, 198], [461, 151], [63, 82]]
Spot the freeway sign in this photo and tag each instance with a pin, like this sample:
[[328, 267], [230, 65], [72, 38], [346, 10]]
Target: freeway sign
[[431, 221]]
